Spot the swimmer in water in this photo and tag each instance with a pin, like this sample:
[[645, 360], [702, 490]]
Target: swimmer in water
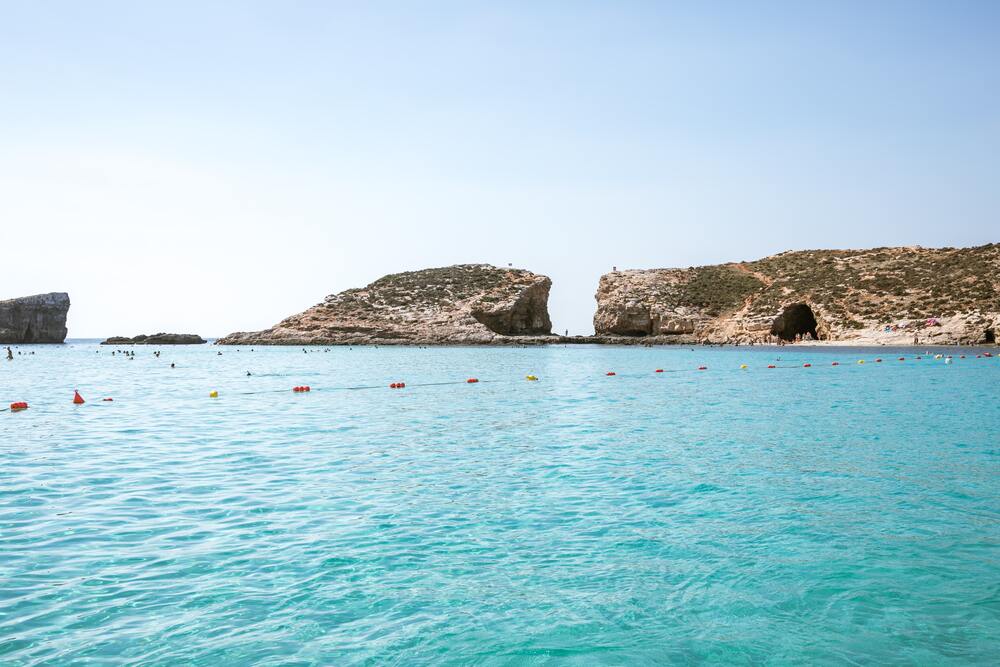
[[171, 365], [10, 354], [248, 373]]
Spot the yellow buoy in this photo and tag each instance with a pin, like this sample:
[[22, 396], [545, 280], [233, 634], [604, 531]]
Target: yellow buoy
[[861, 361], [743, 365], [531, 378], [213, 394]]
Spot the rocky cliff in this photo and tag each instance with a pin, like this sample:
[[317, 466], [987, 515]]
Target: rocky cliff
[[463, 304], [882, 295], [157, 339], [34, 319]]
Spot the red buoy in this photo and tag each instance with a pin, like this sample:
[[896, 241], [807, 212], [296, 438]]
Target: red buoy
[[806, 365], [77, 398], [659, 370], [107, 400], [702, 368], [17, 407], [836, 363], [962, 356], [878, 361], [771, 366], [472, 380], [902, 358], [610, 373]]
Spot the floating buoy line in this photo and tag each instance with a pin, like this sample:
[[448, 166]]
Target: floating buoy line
[[77, 399]]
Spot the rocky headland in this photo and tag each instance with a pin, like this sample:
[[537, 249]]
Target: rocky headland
[[892, 296], [157, 339], [34, 319], [466, 304]]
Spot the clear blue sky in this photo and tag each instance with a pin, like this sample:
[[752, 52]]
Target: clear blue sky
[[216, 166]]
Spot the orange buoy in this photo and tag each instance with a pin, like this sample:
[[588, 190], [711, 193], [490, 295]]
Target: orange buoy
[[610, 373], [472, 380], [18, 406], [392, 385], [77, 398], [658, 370]]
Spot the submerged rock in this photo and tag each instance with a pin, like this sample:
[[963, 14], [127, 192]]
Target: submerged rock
[[462, 304], [34, 319], [157, 339]]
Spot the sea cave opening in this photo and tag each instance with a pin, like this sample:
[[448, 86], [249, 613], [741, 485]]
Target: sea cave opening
[[989, 336], [797, 319]]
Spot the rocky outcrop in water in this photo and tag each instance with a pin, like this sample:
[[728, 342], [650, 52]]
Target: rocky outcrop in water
[[157, 339], [879, 296], [463, 304], [34, 319]]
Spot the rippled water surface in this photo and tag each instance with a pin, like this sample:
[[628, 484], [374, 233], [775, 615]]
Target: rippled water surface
[[832, 514]]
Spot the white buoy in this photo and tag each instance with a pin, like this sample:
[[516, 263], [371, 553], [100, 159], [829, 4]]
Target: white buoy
[[948, 360]]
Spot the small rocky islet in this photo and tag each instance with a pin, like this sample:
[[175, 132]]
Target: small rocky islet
[[892, 296], [157, 339]]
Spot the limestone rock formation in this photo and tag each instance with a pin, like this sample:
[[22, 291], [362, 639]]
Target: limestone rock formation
[[34, 319], [877, 296], [463, 304], [157, 339]]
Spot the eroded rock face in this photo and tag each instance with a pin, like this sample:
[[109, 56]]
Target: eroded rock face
[[157, 339], [892, 296], [795, 320], [463, 304], [34, 319]]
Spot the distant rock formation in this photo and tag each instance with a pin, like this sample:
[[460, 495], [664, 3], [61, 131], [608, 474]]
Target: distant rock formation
[[460, 305], [34, 319], [892, 296], [157, 339]]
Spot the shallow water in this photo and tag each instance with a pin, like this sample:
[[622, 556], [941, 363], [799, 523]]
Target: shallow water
[[841, 515]]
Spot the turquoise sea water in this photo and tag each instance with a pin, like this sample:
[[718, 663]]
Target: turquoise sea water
[[823, 515]]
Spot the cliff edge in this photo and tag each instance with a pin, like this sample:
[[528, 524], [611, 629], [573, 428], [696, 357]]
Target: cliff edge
[[878, 296], [34, 319], [462, 304]]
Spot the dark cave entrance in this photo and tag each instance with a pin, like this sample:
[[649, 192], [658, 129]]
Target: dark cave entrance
[[797, 319], [989, 336]]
